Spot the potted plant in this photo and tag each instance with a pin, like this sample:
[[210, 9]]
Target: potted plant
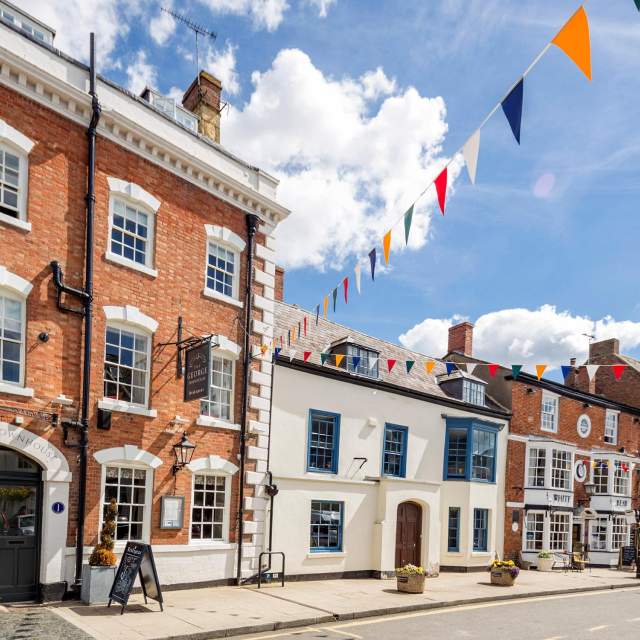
[[410, 578], [98, 575], [503, 572], [545, 561]]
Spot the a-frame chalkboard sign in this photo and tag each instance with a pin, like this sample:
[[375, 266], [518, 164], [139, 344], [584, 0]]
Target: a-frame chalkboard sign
[[137, 559]]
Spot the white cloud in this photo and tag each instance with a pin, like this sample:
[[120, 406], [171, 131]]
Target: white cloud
[[322, 6], [346, 174], [141, 74], [222, 63], [73, 20], [524, 336], [162, 27], [265, 14]]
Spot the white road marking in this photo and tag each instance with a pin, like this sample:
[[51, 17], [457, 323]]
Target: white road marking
[[290, 632], [634, 620], [344, 633], [556, 638], [598, 628]]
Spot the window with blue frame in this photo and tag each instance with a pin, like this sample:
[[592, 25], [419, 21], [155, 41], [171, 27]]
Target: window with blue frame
[[324, 438], [394, 455], [453, 534], [480, 529], [326, 525], [470, 450]]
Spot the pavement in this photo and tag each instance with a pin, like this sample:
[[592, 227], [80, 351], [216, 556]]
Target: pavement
[[199, 614]]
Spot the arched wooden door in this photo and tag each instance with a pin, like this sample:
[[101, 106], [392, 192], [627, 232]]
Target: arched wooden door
[[408, 534]]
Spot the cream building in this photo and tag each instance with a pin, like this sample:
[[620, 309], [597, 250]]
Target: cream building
[[375, 468]]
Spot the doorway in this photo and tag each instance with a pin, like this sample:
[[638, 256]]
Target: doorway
[[20, 506], [577, 541], [408, 534]]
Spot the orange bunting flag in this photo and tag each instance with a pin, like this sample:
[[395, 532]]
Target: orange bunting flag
[[306, 355], [493, 368], [386, 246], [428, 365], [618, 369], [264, 348], [339, 359], [390, 364], [441, 188], [325, 306], [574, 40], [540, 369]]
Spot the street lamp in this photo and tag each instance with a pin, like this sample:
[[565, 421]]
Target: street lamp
[[182, 452], [590, 489]]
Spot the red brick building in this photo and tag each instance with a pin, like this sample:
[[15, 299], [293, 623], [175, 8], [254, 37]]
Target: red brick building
[[177, 222], [603, 381], [561, 439]]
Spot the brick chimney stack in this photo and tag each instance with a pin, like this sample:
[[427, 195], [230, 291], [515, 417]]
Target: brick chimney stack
[[604, 349], [461, 338], [204, 100]]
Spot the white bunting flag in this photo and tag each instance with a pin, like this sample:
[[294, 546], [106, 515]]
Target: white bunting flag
[[358, 272], [372, 363], [292, 355], [470, 151], [471, 368], [591, 370]]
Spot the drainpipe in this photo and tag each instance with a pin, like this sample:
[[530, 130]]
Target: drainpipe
[[252, 224], [86, 297]]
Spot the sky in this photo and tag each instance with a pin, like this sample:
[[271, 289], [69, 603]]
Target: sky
[[356, 105]]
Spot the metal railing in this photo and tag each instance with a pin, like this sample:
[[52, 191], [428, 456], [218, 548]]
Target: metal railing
[[261, 572]]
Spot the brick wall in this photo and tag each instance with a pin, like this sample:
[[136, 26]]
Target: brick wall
[[57, 185]]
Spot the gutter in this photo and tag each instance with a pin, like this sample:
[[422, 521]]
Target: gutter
[[252, 224]]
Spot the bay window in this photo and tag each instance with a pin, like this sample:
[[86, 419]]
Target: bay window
[[470, 450], [601, 477], [537, 463], [621, 479], [561, 470]]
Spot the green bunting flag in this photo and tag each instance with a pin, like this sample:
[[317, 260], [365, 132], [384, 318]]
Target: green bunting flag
[[637, 4], [323, 357], [515, 370], [410, 364], [408, 216]]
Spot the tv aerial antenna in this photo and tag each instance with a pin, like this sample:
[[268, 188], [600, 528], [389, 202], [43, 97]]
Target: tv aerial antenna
[[197, 29]]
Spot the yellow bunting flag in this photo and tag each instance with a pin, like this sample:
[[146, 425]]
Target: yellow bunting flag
[[386, 246], [574, 40], [540, 369], [428, 365], [326, 306], [339, 359]]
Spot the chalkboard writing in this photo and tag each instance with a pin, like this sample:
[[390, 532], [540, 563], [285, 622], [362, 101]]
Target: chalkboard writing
[[137, 560], [627, 556]]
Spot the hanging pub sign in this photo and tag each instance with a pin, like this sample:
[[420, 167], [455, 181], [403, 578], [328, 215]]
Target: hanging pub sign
[[196, 371], [137, 560]]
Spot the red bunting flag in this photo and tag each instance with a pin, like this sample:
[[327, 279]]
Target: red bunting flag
[[618, 370], [306, 355], [441, 188], [390, 364], [345, 286], [493, 368]]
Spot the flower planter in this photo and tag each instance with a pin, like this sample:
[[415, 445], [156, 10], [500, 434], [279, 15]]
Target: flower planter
[[545, 564], [502, 577], [411, 584], [96, 584]]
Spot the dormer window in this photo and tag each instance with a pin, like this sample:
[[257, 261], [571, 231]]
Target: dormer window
[[358, 359], [473, 392], [170, 107]]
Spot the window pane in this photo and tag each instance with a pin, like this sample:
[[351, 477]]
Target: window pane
[[122, 380], [11, 339], [220, 270], [480, 529], [326, 526], [323, 442], [130, 229], [131, 502], [453, 529], [457, 453], [394, 453], [483, 455], [207, 521]]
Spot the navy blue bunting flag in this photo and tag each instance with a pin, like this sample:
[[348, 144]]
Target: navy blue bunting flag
[[512, 107], [372, 259]]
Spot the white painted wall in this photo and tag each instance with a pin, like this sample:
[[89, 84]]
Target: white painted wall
[[371, 503]]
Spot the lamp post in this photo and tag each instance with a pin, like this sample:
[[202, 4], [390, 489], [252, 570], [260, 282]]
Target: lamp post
[[182, 452]]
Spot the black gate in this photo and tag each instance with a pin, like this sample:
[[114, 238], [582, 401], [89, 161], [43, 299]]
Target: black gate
[[20, 514]]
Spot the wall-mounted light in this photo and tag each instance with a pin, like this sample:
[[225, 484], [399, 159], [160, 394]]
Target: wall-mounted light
[[182, 452], [530, 390], [43, 336], [586, 405]]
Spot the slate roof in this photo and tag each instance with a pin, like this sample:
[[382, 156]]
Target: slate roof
[[321, 336]]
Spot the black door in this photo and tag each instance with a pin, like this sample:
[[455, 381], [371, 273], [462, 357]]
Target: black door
[[19, 527]]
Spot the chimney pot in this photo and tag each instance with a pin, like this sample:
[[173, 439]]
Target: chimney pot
[[461, 338], [203, 99]]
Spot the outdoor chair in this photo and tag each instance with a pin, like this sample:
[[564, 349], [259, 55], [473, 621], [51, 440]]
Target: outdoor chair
[[522, 563], [565, 559]]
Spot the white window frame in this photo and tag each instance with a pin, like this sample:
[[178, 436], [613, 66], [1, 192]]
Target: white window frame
[[568, 470], [615, 415], [213, 465], [472, 390], [565, 516], [18, 144], [135, 196], [603, 524], [596, 464], [228, 350], [525, 542], [619, 521], [225, 510], [232, 242], [133, 457], [530, 450], [549, 448], [16, 288], [624, 476], [130, 318], [546, 395]]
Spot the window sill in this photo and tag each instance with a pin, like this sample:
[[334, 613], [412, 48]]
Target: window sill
[[211, 545], [549, 430], [208, 421], [15, 390], [125, 407], [327, 554], [130, 264], [15, 222], [480, 554], [215, 295]]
